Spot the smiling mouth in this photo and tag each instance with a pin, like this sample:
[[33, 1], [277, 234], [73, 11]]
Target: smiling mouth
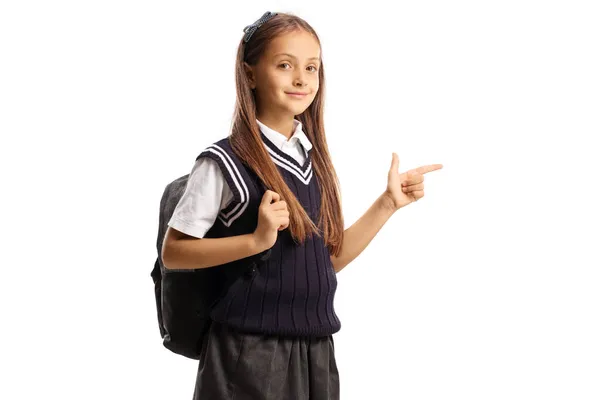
[[297, 95]]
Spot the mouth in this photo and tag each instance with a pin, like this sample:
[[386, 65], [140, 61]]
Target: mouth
[[297, 95]]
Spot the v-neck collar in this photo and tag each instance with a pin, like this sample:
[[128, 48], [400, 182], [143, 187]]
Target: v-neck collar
[[280, 140], [284, 160]]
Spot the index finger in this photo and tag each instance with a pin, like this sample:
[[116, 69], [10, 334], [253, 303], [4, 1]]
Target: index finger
[[428, 168]]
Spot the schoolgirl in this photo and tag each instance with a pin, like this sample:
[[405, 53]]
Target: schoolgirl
[[270, 189]]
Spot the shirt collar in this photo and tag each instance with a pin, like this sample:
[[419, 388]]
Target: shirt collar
[[280, 139]]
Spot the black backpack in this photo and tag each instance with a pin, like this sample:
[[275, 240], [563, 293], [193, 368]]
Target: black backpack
[[184, 297]]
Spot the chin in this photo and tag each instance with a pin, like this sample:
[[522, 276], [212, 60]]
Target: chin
[[298, 112], [295, 110]]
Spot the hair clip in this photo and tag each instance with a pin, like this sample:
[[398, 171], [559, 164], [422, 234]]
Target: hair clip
[[250, 29]]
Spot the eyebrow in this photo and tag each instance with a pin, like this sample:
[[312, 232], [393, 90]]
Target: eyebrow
[[294, 57]]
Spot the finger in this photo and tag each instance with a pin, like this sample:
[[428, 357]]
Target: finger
[[266, 198], [279, 205], [428, 168], [283, 224], [269, 196], [413, 178], [275, 197], [395, 162], [412, 188], [282, 213]]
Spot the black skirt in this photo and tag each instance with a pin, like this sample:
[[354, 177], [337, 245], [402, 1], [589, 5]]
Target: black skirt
[[247, 366]]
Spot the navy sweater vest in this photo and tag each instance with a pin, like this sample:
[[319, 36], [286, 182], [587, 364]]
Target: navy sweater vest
[[289, 291]]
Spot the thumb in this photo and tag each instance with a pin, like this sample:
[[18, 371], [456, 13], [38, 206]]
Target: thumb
[[269, 196], [395, 162]]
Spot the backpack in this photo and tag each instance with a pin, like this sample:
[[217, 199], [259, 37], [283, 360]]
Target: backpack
[[184, 297], [181, 295]]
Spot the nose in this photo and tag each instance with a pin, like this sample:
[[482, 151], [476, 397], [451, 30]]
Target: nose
[[300, 84], [300, 81]]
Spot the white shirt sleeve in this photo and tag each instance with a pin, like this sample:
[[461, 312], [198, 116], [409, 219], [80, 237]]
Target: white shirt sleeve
[[205, 195]]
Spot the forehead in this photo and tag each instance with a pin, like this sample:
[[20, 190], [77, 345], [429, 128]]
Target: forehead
[[298, 43]]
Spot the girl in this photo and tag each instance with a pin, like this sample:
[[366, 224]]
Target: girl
[[263, 206]]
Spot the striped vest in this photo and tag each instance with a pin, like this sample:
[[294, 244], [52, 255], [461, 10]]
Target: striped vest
[[290, 291]]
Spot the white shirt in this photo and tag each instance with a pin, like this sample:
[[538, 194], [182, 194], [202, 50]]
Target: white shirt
[[207, 191]]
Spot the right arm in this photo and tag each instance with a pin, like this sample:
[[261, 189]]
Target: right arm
[[190, 250], [182, 251]]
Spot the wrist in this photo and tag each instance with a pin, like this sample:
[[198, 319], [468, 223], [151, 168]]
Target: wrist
[[387, 202], [255, 245]]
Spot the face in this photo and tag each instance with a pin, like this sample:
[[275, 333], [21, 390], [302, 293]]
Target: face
[[290, 64]]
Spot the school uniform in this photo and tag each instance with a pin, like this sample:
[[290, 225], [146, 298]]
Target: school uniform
[[271, 335]]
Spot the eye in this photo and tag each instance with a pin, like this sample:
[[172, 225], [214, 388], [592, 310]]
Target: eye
[[311, 66]]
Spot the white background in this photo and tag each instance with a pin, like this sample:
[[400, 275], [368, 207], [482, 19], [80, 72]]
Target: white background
[[487, 288]]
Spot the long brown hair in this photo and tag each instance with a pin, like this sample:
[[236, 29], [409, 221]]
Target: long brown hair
[[248, 145]]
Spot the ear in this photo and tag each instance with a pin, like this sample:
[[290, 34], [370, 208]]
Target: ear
[[250, 74]]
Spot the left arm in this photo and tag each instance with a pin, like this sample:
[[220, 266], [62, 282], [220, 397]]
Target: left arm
[[359, 235], [402, 189]]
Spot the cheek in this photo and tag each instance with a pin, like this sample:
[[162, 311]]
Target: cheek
[[275, 80], [315, 83]]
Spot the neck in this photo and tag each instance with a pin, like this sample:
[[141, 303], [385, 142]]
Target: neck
[[283, 125]]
